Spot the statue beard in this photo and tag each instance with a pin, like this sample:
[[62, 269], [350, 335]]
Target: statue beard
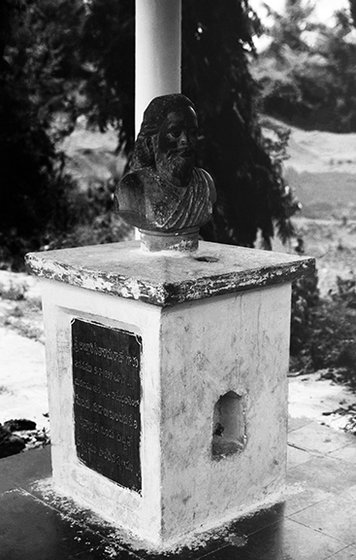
[[175, 168]]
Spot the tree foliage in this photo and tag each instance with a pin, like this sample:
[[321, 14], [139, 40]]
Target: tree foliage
[[45, 56], [31, 176], [61, 58], [353, 11], [217, 44], [308, 75], [290, 27], [107, 52], [324, 329]]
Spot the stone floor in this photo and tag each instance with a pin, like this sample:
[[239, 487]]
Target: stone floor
[[316, 522]]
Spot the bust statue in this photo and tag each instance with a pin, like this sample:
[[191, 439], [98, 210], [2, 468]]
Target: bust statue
[[164, 194]]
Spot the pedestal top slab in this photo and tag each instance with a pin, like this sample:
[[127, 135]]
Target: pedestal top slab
[[163, 279]]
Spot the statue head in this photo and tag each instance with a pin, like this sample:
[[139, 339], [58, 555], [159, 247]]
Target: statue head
[[164, 194], [167, 140]]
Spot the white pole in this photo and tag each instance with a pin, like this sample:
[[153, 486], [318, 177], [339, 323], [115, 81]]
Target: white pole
[[158, 51]]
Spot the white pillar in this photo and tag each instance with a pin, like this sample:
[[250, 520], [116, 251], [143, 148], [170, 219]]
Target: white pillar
[[158, 51]]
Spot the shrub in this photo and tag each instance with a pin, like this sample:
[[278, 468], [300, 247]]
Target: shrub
[[324, 331], [305, 298]]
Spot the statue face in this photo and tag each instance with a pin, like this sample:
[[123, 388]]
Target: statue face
[[176, 145], [178, 134]]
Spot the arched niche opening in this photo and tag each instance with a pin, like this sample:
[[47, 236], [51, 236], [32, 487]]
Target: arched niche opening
[[229, 427]]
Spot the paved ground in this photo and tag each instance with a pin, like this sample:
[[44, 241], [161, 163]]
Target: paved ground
[[317, 521]]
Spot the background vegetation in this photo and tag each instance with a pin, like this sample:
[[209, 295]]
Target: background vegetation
[[62, 58], [307, 74]]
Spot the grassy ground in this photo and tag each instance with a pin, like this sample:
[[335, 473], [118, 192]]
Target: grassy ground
[[322, 170], [332, 243]]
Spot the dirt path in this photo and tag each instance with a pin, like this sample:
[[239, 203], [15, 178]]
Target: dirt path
[[23, 384]]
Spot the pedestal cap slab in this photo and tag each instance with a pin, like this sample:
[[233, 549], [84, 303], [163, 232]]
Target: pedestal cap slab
[[165, 279]]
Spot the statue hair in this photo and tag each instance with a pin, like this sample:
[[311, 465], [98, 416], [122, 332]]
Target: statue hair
[[153, 118]]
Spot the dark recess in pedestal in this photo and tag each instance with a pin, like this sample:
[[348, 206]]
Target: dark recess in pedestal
[[229, 429]]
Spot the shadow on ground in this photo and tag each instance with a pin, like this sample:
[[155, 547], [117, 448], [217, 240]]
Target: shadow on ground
[[317, 520]]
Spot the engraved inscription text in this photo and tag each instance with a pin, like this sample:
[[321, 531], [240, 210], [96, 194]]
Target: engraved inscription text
[[106, 380]]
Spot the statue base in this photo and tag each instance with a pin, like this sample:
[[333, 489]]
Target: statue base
[[183, 241], [167, 382]]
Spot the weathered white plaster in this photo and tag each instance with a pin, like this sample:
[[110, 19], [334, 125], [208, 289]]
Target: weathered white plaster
[[124, 270], [192, 354], [140, 514], [231, 343]]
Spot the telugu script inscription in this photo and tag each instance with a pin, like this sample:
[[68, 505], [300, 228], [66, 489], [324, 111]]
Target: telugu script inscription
[[107, 392]]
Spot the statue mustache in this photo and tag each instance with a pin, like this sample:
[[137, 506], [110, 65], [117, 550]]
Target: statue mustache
[[185, 151]]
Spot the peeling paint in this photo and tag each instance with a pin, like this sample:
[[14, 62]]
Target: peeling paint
[[121, 269]]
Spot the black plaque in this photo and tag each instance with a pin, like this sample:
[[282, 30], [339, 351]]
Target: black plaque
[[107, 393]]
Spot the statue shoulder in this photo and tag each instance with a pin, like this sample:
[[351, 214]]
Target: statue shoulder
[[207, 179], [132, 180], [133, 198], [130, 198]]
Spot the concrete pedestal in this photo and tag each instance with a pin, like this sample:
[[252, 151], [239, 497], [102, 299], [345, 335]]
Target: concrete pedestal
[[207, 337]]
